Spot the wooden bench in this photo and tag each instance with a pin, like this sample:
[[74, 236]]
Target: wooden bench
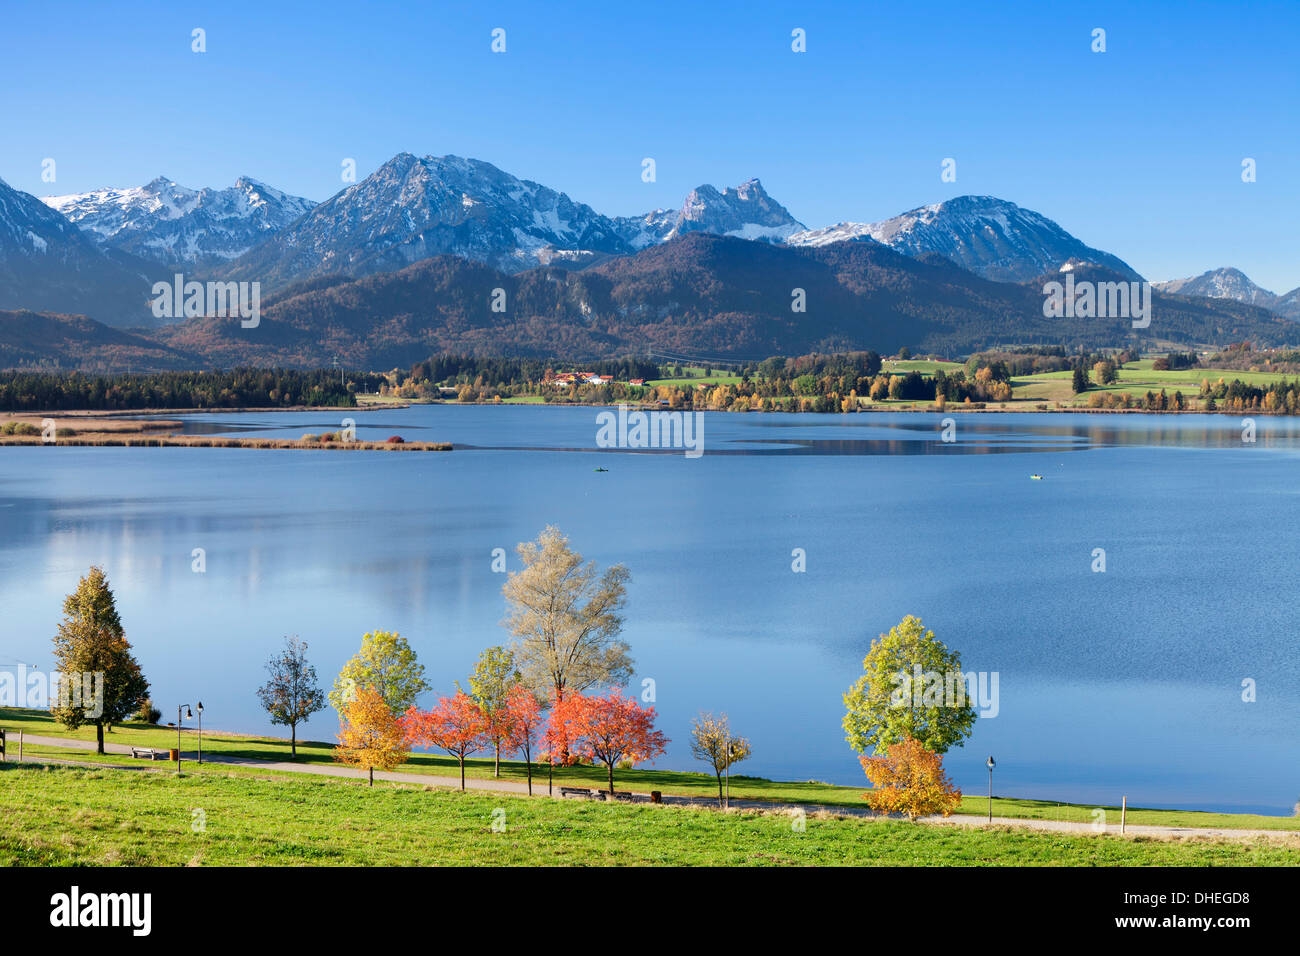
[[584, 792], [142, 752], [618, 795]]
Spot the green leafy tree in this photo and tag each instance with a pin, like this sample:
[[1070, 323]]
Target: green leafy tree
[[386, 663], [911, 687], [494, 674], [91, 649], [291, 694], [1079, 382]]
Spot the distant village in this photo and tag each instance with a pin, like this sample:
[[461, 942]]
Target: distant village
[[570, 379]]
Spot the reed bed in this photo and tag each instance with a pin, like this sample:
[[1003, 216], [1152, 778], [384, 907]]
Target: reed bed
[[195, 441]]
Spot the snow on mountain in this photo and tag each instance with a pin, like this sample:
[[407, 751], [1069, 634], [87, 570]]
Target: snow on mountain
[[55, 253], [1225, 283], [745, 211], [28, 230], [412, 208], [48, 264], [174, 225], [840, 232], [409, 209], [991, 237], [1288, 305], [1230, 283]]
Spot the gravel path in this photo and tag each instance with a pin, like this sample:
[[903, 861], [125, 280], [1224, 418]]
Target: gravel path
[[539, 788]]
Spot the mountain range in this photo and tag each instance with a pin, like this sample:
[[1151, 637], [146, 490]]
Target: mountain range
[[746, 212], [700, 292], [174, 225], [991, 237], [47, 263], [1228, 283], [411, 245]]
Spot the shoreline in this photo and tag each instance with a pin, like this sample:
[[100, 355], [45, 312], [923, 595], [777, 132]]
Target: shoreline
[[142, 428], [139, 429], [690, 784], [199, 441]]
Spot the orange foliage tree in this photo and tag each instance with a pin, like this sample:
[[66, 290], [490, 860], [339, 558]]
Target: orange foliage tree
[[369, 735], [457, 725], [555, 746], [909, 779], [522, 721], [607, 729]]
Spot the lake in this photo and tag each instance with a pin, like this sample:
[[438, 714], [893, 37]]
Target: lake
[[1122, 682]]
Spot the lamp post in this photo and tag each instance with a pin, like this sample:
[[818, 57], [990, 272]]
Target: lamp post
[[731, 752], [991, 764], [188, 713], [199, 707]]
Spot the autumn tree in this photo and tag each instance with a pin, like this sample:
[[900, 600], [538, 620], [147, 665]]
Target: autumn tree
[[912, 686], [909, 779], [565, 617], [370, 736], [291, 694], [555, 746], [608, 729], [523, 722], [456, 725], [713, 742], [94, 661], [490, 684], [386, 663]]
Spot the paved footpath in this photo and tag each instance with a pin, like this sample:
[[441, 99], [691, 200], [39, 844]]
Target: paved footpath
[[539, 788]]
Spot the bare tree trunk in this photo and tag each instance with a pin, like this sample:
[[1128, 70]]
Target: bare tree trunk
[[99, 736], [496, 766], [610, 765], [564, 742], [372, 776], [293, 739], [529, 764], [718, 773]]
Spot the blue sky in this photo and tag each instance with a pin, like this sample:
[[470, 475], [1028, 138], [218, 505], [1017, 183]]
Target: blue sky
[[1137, 150]]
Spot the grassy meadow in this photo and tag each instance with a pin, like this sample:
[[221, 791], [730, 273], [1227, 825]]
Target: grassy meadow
[[686, 784], [695, 375], [1136, 378], [74, 816], [699, 786]]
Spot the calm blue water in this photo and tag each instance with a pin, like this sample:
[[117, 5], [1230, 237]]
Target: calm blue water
[[1121, 683]]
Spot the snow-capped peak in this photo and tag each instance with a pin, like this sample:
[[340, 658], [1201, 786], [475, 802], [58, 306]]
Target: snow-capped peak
[[174, 224], [745, 211], [1222, 283], [991, 237]]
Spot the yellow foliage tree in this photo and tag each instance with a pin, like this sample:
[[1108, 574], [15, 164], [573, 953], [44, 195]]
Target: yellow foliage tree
[[713, 742], [370, 736], [909, 779]]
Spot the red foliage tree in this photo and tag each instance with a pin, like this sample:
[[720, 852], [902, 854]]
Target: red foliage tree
[[607, 729], [457, 725], [555, 744], [522, 722]]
